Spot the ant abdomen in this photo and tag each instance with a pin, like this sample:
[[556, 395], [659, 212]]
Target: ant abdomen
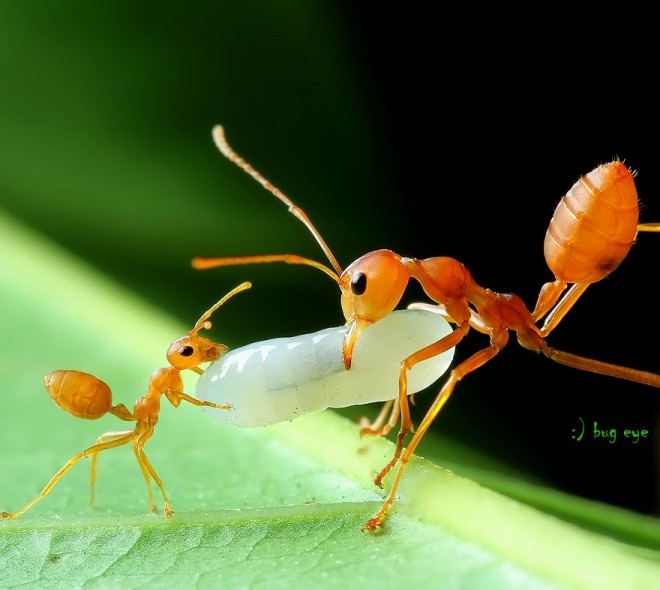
[[594, 225], [80, 394]]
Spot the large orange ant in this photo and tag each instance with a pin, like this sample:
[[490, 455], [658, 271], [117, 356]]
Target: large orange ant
[[591, 232], [85, 396]]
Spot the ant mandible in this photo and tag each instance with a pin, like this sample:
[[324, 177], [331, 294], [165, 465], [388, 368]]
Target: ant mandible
[[85, 396], [591, 232]]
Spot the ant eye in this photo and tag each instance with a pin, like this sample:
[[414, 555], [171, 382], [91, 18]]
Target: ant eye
[[359, 283], [186, 351]]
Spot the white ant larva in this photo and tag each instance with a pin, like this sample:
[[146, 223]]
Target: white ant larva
[[281, 379]]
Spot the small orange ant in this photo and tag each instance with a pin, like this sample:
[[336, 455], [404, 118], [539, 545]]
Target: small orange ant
[[85, 396], [591, 232]]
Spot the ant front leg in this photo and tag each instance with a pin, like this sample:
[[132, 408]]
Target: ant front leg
[[476, 323], [430, 351], [499, 338], [176, 397], [378, 427]]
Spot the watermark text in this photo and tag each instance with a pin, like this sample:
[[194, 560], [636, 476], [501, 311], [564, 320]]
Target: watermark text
[[608, 433]]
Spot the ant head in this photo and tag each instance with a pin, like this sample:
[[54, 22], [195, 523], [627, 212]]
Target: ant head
[[192, 350], [372, 286]]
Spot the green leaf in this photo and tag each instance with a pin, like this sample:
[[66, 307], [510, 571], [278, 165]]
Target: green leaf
[[273, 507]]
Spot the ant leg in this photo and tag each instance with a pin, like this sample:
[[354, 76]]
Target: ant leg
[[562, 308], [650, 227], [122, 412], [430, 351], [176, 397], [86, 453], [378, 427], [146, 464], [587, 364], [432, 308], [548, 297], [475, 319], [500, 338], [147, 479], [108, 436]]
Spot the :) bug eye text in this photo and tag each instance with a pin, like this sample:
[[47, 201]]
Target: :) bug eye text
[[608, 433]]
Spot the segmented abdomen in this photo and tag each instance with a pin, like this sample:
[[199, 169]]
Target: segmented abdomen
[[80, 394], [594, 225]]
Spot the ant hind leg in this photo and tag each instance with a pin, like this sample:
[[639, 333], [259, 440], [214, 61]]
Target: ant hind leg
[[108, 436], [91, 451]]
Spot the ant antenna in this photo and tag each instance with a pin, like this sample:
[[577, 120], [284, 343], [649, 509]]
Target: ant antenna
[[203, 321], [231, 155]]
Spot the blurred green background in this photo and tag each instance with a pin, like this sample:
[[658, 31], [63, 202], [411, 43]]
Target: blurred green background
[[390, 132]]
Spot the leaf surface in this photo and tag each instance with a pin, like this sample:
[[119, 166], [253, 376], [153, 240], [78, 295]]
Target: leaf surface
[[272, 507]]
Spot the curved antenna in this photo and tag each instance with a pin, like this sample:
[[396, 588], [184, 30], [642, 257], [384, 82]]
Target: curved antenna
[[230, 154], [203, 321]]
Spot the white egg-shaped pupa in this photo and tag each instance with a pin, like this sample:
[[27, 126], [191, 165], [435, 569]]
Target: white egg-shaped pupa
[[283, 378]]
